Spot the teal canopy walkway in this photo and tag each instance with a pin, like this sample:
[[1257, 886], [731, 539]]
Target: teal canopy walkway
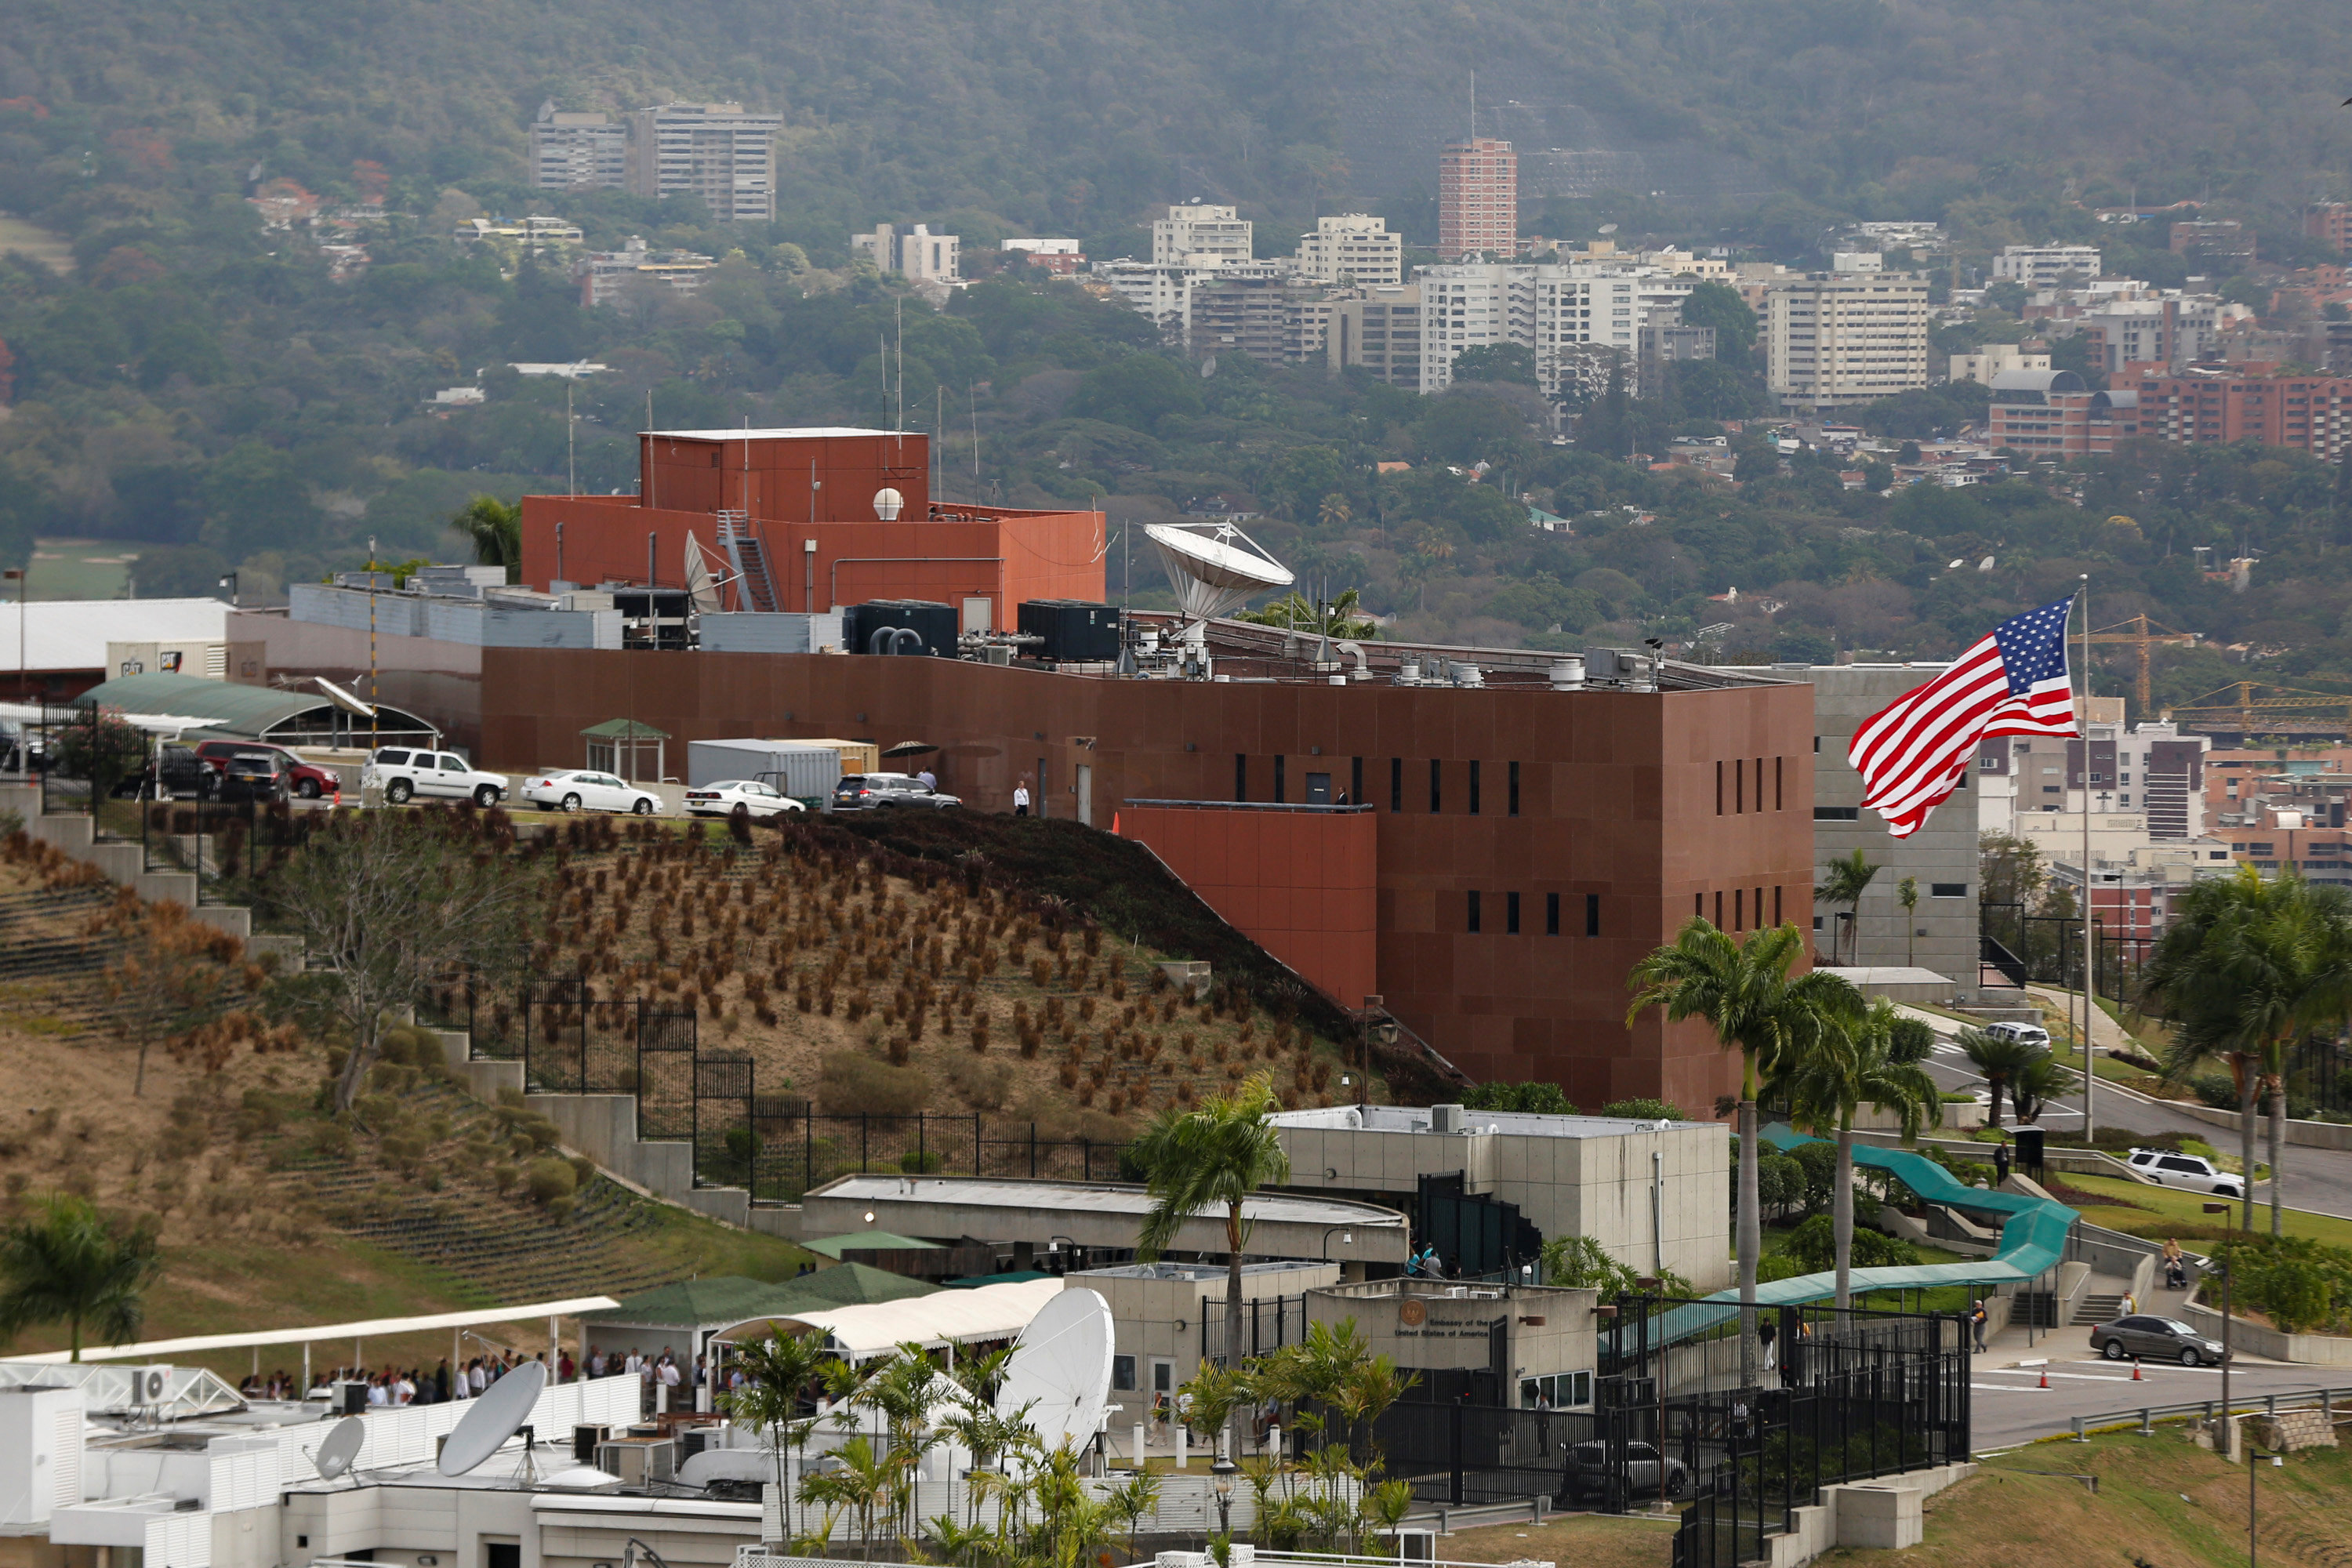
[[2033, 1234]]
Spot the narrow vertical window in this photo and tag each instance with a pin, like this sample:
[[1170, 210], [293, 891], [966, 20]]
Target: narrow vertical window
[[1698, 906], [1396, 783], [1718, 789], [1739, 908], [1776, 906], [1718, 911], [1780, 802], [1738, 786], [1759, 909], [1241, 777], [1355, 781], [1278, 760], [1436, 773], [1510, 914], [1592, 915], [1551, 914], [1760, 784], [1474, 911], [1515, 789], [1474, 788]]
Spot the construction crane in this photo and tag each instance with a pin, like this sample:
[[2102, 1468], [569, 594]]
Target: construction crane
[[2276, 700], [2139, 634]]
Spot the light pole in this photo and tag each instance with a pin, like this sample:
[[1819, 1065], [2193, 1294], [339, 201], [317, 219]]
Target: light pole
[[1222, 1471], [229, 585]]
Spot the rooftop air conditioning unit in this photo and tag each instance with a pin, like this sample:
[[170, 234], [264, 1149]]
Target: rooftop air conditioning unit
[[148, 1384]]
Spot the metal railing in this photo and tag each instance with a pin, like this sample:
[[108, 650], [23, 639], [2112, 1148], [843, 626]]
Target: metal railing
[[2147, 1415]]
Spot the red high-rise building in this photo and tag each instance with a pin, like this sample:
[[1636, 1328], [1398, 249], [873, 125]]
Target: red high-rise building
[[1478, 198]]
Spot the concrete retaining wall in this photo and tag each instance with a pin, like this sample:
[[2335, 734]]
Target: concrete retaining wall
[[2257, 1338], [1884, 1515], [2308, 1134], [76, 835]]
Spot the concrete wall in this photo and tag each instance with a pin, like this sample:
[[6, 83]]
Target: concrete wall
[[1882, 1515], [76, 835], [1158, 1317], [2258, 1339], [1433, 1325]]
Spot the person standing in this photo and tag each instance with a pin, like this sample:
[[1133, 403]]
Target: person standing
[[2001, 1163], [1978, 1319], [928, 779], [1768, 1336], [1021, 798]]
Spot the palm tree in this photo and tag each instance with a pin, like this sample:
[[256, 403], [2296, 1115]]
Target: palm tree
[[2243, 966], [1847, 880], [67, 1261], [778, 1368], [1907, 894], [1847, 1065], [1334, 512], [1219, 1154], [495, 529], [2000, 1059], [1744, 993]]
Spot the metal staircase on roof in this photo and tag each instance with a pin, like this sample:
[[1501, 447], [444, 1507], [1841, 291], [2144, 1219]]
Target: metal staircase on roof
[[755, 587]]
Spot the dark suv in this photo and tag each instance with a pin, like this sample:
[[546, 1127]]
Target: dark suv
[[175, 772], [873, 792], [302, 778], [253, 775]]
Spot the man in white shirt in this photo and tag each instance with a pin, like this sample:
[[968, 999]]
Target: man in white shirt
[[479, 1378], [928, 779], [1021, 798]]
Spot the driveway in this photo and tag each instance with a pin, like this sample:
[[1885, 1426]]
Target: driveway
[[2319, 1180]]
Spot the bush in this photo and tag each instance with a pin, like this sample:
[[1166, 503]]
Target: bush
[[1542, 1098], [1910, 1040], [550, 1178], [2218, 1089], [1813, 1245], [850, 1082], [1644, 1110]]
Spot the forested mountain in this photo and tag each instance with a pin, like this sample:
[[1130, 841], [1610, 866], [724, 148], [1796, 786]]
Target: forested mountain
[[185, 378]]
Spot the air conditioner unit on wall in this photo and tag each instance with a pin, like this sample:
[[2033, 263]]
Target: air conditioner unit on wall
[[148, 1386]]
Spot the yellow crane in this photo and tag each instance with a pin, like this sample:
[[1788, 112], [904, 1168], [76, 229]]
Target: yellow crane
[[2276, 702], [2135, 632]]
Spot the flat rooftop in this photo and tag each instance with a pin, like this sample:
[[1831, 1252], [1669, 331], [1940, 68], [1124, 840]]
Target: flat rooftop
[[785, 433], [1192, 1271], [1096, 1198], [1418, 1119]]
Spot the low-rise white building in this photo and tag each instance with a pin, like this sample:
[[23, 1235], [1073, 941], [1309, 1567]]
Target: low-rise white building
[[1991, 360], [1352, 248], [2043, 266], [916, 254], [1196, 228]]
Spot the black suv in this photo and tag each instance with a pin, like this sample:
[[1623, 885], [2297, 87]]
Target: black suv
[[252, 775], [873, 792], [175, 772]]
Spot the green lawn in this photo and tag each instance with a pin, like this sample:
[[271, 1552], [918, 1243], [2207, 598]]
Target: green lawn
[[81, 568], [2144, 1211]]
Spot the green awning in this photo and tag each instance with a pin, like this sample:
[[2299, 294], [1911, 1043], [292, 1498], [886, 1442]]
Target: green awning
[[726, 1298], [833, 1247], [622, 729]]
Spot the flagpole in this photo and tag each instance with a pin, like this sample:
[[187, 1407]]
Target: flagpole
[[2090, 951]]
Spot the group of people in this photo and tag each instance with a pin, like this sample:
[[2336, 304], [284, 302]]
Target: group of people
[[394, 1386], [1424, 1264]]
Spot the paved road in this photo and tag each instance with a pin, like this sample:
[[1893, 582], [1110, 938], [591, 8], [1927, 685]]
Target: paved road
[[2316, 1179]]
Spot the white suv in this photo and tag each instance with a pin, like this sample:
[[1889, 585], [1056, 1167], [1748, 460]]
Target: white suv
[[2192, 1172], [435, 775], [2027, 1034]]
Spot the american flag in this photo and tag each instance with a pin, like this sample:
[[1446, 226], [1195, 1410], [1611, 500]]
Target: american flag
[[1914, 753]]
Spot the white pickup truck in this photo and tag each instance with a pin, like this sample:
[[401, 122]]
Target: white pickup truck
[[405, 775]]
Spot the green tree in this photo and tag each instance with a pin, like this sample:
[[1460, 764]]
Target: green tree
[[1138, 391], [1907, 894], [1999, 1059], [1342, 618], [65, 1262], [1744, 993], [1216, 1156], [1547, 1097], [1497, 361], [1842, 1067], [2243, 966], [776, 1369], [494, 528], [103, 748], [1844, 882], [256, 498], [1719, 305]]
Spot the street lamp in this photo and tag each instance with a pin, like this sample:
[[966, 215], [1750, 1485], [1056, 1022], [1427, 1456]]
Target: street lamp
[[228, 583], [1222, 1471]]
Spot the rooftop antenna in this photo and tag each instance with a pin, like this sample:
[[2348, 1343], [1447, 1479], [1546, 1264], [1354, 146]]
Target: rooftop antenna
[[899, 306], [341, 1448], [493, 1418], [1474, 106]]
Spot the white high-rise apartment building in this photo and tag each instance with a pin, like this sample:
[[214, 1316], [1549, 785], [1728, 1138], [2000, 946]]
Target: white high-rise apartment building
[[1163, 291], [920, 255], [1558, 312], [2044, 266], [1834, 339], [714, 151], [1194, 230], [1355, 247], [574, 149]]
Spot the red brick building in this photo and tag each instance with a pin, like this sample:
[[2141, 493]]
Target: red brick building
[[2329, 223], [2248, 402], [1478, 198], [2054, 414]]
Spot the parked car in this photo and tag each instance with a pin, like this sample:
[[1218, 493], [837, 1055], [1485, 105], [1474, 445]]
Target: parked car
[[581, 789], [720, 799], [874, 791], [175, 772], [305, 779], [1588, 1471], [2159, 1339], [2192, 1172], [252, 775], [2024, 1034], [405, 775]]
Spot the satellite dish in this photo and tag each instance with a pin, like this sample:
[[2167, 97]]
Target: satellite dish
[[1608, 229], [1957, 564], [585, 1477], [887, 504], [1210, 572], [699, 588], [1060, 1368], [342, 699], [1985, 564], [343, 1446], [496, 1416], [1208, 367]]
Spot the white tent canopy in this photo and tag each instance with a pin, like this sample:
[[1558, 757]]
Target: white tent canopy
[[948, 1318], [370, 1329]]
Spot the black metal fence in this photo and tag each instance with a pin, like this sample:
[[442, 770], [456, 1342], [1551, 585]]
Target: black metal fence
[[1267, 1325]]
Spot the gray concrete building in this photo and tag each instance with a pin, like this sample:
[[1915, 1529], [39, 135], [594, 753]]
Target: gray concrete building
[[1651, 1194], [1501, 1345], [1168, 1318], [718, 152], [1940, 933]]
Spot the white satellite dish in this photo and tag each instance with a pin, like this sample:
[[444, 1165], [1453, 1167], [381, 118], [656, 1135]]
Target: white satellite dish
[[699, 588], [585, 1478], [496, 1416], [336, 1455], [1211, 573], [1608, 229], [1060, 1368], [888, 503], [342, 699], [1985, 564], [1208, 367], [1957, 564]]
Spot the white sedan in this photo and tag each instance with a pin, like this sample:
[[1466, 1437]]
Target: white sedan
[[581, 789], [720, 799]]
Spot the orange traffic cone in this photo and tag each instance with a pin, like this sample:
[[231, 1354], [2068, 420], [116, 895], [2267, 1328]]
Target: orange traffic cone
[[2135, 1376], [2045, 1375], [338, 801]]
